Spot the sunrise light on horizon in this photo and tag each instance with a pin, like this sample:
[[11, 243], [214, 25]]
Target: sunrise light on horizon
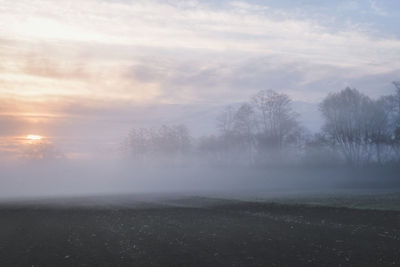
[[199, 133], [70, 68], [33, 137]]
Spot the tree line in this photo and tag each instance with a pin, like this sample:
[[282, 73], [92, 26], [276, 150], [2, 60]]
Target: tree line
[[357, 130]]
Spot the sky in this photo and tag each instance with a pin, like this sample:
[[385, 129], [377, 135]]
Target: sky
[[81, 73]]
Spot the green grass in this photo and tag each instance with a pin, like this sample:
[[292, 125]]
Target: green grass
[[386, 201]]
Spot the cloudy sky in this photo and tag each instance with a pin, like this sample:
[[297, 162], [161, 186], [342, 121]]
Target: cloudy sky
[[79, 70]]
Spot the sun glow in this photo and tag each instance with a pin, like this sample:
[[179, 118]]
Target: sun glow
[[33, 137]]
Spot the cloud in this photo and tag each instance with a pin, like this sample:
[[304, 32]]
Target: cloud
[[171, 48], [94, 62], [54, 68], [377, 9], [10, 125]]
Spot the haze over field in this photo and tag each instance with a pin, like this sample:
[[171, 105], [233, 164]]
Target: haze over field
[[77, 76], [199, 133]]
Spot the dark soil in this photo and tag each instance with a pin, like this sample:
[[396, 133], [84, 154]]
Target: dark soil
[[224, 234]]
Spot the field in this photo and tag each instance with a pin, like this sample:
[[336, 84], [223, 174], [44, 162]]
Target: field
[[195, 231], [380, 200]]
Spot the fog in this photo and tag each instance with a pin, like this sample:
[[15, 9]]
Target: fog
[[258, 147], [198, 97], [199, 133], [99, 177]]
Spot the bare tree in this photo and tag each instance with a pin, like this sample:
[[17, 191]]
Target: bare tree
[[244, 128], [354, 123], [225, 120], [138, 144], [378, 120], [167, 143], [277, 121], [42, 151], [171, 140], [228, 140], [391, 105]]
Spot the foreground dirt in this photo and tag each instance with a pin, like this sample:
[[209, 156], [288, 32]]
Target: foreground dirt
[[224, 234]]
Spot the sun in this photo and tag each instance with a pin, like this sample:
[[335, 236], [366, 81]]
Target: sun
[[33, 137]]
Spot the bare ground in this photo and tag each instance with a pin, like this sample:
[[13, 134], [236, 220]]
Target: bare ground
[[197, 232]]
